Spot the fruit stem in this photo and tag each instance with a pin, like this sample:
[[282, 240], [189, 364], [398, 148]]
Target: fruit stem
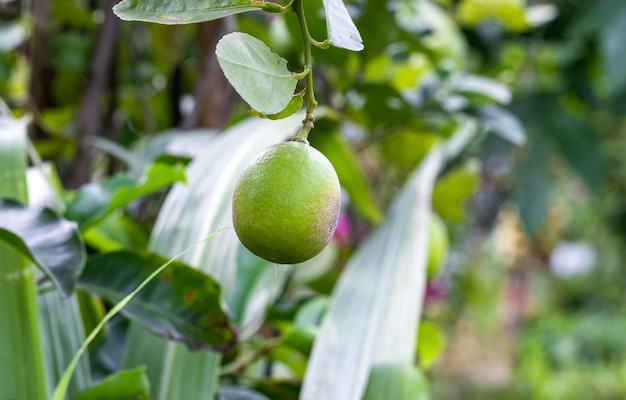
[[311, 103]]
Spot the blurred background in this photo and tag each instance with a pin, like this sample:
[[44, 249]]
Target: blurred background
[[529, 303]]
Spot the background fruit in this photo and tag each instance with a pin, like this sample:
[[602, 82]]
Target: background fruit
[[286, 203]]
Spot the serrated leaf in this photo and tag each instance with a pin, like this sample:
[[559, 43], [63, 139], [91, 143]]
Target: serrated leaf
[[181, 303], [504, 124], [259, 76], [475, 84], [50, 241], [370, 324], [182, 11], [97, 200], [124, 384], [341, 29]]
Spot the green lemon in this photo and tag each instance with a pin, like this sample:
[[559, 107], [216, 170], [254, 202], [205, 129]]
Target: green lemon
[[438, 245], [286, 203]]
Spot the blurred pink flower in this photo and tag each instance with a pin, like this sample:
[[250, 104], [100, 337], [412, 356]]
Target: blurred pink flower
[[343, 231]]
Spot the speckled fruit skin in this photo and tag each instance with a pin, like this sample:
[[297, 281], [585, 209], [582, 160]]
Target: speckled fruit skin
[[286, 203]]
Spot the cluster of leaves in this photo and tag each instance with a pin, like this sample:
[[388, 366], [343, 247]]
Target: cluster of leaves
[[406, 103]]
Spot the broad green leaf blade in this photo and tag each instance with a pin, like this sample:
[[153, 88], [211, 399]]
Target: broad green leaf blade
[[61, 389], [50, 241], [116, 232], [62, 335], [341, 29], [97, 200], [376, 304], [259, 76], [396, 381], [474, 84], [334, 146], [20, 333], [181, 304], [13, 158], [124, 384], [182, 11], [62, 330], [189, 213], [254, 286]]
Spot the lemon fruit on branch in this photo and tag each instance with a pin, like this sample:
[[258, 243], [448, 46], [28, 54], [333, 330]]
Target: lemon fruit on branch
[[286, 203]]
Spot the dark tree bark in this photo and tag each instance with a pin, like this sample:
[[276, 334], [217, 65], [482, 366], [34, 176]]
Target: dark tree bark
[[90, 109], [214, 96]]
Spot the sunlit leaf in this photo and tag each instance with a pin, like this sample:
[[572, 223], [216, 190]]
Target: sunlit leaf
[[124, 384], [341, 29], [396, 381], [453, 189], [259, 76], [50, 241], [430, 344], [181, 303], [183, 11], [475, 84], [96, 200], [371, 324], [207, 198]]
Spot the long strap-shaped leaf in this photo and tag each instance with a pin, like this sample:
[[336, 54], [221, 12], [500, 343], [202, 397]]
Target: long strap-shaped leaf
[[20, 344], [376, 305], [191, 212]]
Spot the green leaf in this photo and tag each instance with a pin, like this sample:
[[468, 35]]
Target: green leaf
[[238, 393], [474, 84], [376, 304], [208, 197], [451, 191], [338, 151], [181, 304], [256, 285], [183, 11], [293, 107], [259, 76], [341, 29], [503, 123], [97, 200], [396, 381], [122, 385], [20, 324], [430, 344], [61, 389], [116, 232], [50, 241], [612, 51], [444, 39]]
